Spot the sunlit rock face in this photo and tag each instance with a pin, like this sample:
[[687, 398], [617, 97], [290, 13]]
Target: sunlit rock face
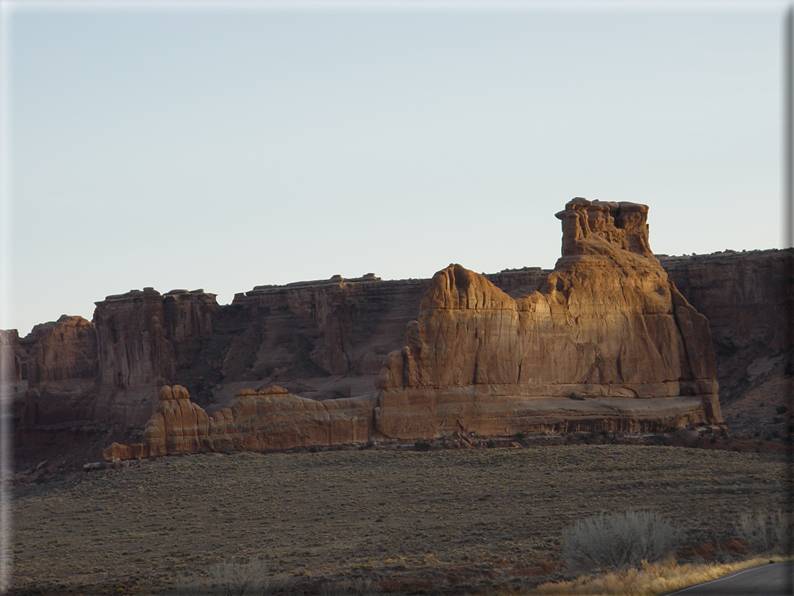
[[271, 418], [607, 341]]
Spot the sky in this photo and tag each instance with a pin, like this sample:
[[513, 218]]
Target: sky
[[223, 146]]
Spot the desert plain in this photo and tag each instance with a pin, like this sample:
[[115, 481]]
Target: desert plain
[[468, 521]]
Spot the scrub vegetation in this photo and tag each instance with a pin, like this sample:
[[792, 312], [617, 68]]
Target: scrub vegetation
[[390, 519]]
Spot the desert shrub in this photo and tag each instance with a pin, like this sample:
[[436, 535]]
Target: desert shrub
[[764, 532], [781, 409], [619, 541], [422, 446], [229, 578], [359, 587]]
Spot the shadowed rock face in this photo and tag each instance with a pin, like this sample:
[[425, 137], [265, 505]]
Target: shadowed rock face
[[11, 356], [143, 339], [607, 325], [746, 298], [66, 349], [60, 370]]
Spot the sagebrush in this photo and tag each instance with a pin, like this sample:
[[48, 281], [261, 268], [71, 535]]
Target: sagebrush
[[619, 541], [764, 532], [229, 578]]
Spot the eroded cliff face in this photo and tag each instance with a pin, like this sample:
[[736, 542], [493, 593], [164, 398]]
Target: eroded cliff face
[[747, 299], [11, 356], [332, 327], [60, 369], [143, 340], [271, 418], [606, 325], [328, 339], [66, 349], [607, 342]]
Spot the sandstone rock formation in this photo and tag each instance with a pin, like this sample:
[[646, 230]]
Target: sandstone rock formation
[[747, 297], [66, 349], [11, 356], [61, 370], [607, 342], [327, 340], [271, 418], [143, 339], [607, 326], [336, 327]]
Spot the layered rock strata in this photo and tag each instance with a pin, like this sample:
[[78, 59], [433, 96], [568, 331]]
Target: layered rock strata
[[607, 327], [12, 356], [606, 342], [143, 339], [271, 418], [748, 299], [61, 371]]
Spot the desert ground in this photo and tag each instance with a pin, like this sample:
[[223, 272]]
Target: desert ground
[[442, 521]]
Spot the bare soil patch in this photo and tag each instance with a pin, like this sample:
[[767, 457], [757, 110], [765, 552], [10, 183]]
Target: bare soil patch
[[456, 521]]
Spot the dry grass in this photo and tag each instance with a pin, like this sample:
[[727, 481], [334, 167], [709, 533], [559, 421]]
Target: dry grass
[[651, 580], [444, 521]]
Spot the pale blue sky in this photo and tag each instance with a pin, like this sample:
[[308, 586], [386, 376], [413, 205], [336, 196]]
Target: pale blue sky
[[228, 148]]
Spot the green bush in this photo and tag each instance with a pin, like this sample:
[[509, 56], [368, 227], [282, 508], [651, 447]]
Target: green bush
[[422, 446], [619, 541]]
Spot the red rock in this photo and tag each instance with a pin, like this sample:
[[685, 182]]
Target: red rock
[[746, 297], [66, 349], [253, 421], [607, 329], [11, 356], [607, 343], [117, 451], [737, 546], [60, 366], [329, 338], [143, 338], [177, 425]]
